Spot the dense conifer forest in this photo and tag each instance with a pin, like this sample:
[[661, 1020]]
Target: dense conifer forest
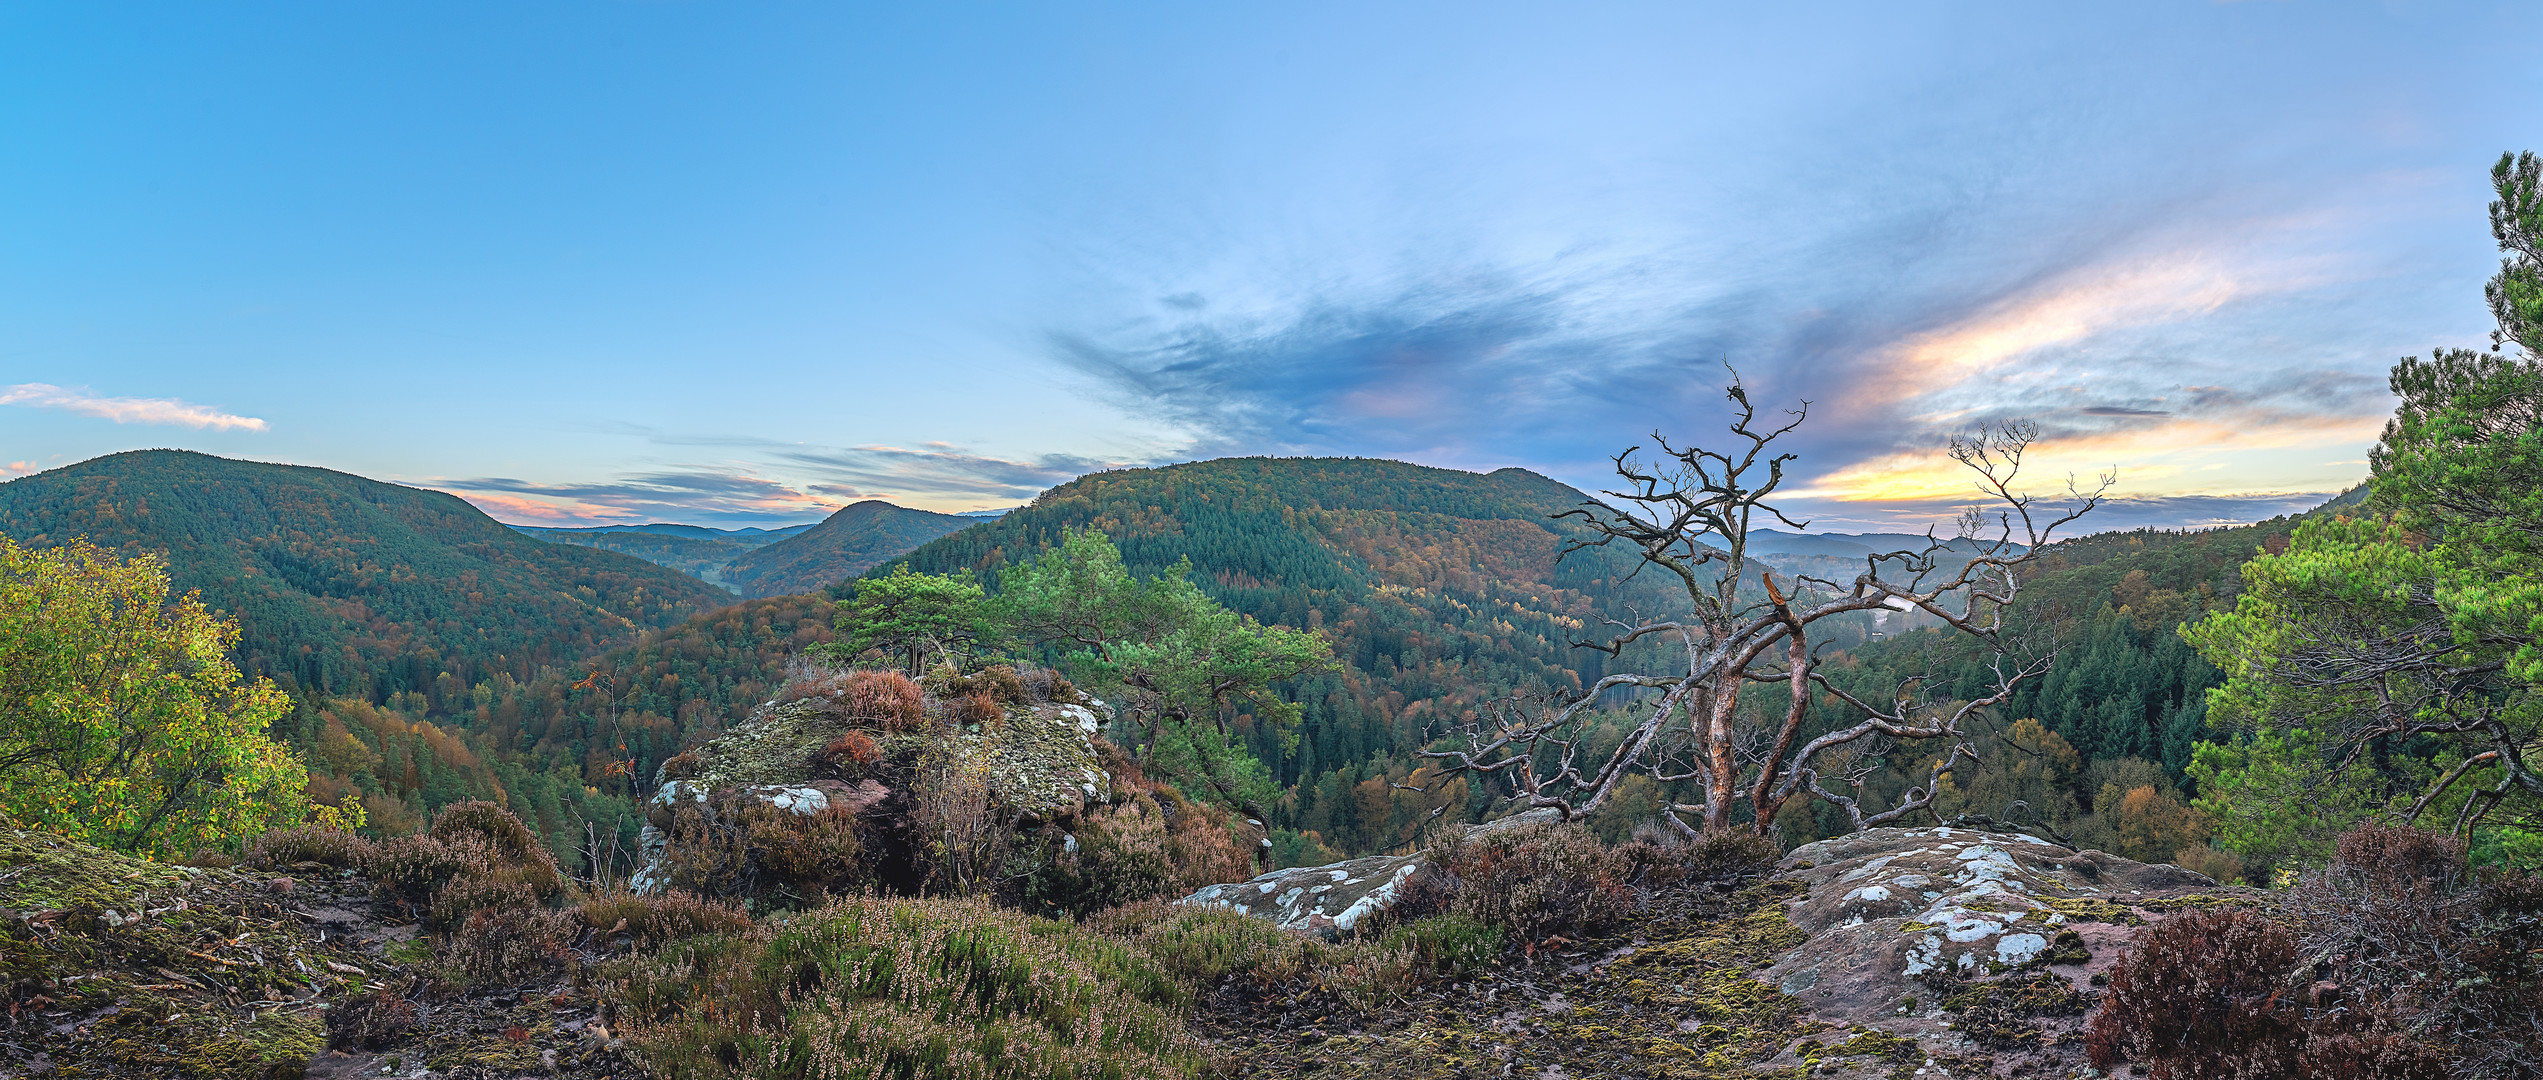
[[1438, 589]]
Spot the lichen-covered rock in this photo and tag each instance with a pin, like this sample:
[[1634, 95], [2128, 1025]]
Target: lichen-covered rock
[[1040, 760], [1331, 899], [1892, 912], [1321, 899]]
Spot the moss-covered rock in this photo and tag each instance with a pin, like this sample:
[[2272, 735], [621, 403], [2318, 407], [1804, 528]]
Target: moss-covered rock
[[115, 966], [811, 754]]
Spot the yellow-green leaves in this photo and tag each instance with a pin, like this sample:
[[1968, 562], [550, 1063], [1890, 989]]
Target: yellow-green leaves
[[122, 720]]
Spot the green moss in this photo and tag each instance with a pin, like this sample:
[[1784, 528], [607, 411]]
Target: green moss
[[46, 872], [2093, 911]]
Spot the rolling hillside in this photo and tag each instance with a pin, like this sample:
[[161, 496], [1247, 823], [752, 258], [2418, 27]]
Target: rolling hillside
[[857, 538], [344, 585]]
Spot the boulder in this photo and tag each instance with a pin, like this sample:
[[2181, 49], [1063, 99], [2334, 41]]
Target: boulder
[[1892, 912], [1329, 900], [1040, 758]]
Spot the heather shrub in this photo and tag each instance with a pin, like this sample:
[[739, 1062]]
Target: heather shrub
[[1203, 946], [734, 846], [884, 699], [466, 894], [370, 1021], [2402, 963], [2417, 941], [476, 856], [909, 988], [514, 945], [2204, 995], [1446, 946], [999, 683], [511, 839], [308, 844], [1533, 881], [647, 921], [410, 869], [1155, 844]]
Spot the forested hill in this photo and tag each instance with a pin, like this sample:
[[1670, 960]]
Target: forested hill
[[1437, 587], [344, 585], [847, 543]]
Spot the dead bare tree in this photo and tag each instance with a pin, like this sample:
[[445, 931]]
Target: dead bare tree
[[1689, 514]]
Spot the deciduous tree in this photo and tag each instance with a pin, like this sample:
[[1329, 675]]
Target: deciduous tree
[[123, 721]]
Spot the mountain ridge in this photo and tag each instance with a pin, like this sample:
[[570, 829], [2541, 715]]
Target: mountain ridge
[[345, 584]]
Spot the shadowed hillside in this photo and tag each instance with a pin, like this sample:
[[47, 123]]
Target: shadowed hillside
[[850, 542], [348, 585]]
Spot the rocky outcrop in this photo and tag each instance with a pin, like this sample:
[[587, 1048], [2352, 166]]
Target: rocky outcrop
[[1902, 922], [1331, 899], [1040, 760]]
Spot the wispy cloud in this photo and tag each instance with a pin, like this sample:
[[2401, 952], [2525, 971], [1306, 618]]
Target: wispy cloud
[[688, 496], [937, 472], [126, 410], [19, 468], [2161, 345], [815, 482]]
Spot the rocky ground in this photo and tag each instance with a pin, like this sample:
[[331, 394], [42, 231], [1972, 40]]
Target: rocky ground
[[1897, 953], [123, 968]]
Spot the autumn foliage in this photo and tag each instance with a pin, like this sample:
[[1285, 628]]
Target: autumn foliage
[[123, 721]]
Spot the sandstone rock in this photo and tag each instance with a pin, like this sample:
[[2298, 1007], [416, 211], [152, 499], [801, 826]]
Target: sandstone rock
[[1331, 899], [1888, 908], [1326, 900], [1040, 759]]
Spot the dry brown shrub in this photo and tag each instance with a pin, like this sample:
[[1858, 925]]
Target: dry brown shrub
[[1000, 683], [735, 846], [849, 754], [2417, 941], [886, 698], [370, 1021], [514, 945], [2223, 866], [1533, 881], [308, 844], [651, 920], [2204, 994], [1045, 685], [962, 840], [974, 709]]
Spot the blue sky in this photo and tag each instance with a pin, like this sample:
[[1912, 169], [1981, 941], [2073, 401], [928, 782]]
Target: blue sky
[[738, 264]]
